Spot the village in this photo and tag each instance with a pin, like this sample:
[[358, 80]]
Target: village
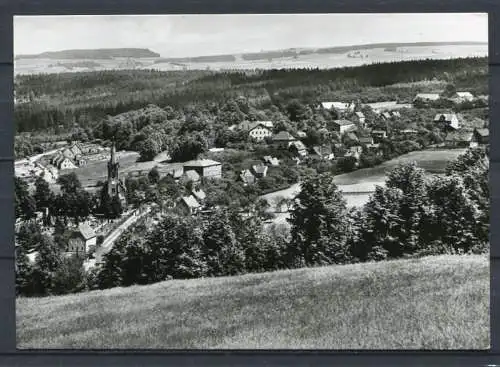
[[358, 135]]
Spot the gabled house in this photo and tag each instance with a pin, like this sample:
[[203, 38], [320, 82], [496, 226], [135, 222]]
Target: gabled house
[[259, 170], [271, 161], [205, 168], [482, 136], [68, 153], [299, 148], [447, 120], [283, 139], [65, 163], [322, 152], [464, 97], [339, 150], [246, 177], [258, 130], [354, 151], [343, 126], [80, 161], [76, 150], [199, 195], [360, 118], [188, 205], [373, 149], [81, 240]]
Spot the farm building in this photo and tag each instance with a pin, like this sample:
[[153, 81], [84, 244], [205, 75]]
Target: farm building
[[283, 139], [343, 126], [360, 118], [246, 177], [62, 163], [259, 170], [482, 136], [464, 97], [427, 97], [81, 240], [206, 168], [188, 205], [447, 120]]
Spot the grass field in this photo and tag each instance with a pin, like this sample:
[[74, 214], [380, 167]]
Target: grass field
[[433, 303]]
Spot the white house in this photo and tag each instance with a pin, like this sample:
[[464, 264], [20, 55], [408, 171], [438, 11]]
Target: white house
[[259, 132], [464, 97], [427, 97], [339, 106]]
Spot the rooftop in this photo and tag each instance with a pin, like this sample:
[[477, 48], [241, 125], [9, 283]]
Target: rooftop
[[190, 201], [86, 231], [201, 163], [343, 122]]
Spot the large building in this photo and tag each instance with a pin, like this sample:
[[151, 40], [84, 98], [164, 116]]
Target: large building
[[116, 188], [205, 168], [81, 240]]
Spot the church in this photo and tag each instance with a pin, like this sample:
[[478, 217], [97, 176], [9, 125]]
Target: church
[[116, 187]]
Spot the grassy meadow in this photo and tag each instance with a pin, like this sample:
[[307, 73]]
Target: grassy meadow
[[439, 302]]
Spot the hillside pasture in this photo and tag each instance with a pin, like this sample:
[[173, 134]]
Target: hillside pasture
[[431, 303]]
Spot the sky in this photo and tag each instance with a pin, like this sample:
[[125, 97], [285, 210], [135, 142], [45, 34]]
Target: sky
[[196, 35]]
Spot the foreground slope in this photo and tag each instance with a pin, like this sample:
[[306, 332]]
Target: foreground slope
[[433, 303]]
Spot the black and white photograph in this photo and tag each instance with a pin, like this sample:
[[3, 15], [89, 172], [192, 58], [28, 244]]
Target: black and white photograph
[[263, 181]]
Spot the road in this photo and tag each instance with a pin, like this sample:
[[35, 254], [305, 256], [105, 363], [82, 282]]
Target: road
[[36, 157], [113, 236]]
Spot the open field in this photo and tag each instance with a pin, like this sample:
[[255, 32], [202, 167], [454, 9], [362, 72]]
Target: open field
[[315, 59], [434, 303]]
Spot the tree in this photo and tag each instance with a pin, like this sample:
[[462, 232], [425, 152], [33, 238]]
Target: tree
[[222, 252], [188, 147], [46, 265], [69, 276], [69, 183], [319, 231], [43, 195], [176, 249], [411, 181], [25, 205], [24, 273], [154, 175]]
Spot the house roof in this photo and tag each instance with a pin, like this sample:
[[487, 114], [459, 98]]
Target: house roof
[[192, 175], [386, 115], [483, 132], [86, 231], [365, 139], [409, 131], [201, 163], [430, 96], [379, 132], [283, 136], [176, 173], [336, 105], [271, 160], [464, 94], [343, 122], [360, 114], [247, 176], [299, 145], [322, 150], [447, 117], [301, 134], [352, 136], [199, 194], [260, 168], [190, 201]]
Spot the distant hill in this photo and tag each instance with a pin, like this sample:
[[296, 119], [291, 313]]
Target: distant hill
[[104, 53]]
